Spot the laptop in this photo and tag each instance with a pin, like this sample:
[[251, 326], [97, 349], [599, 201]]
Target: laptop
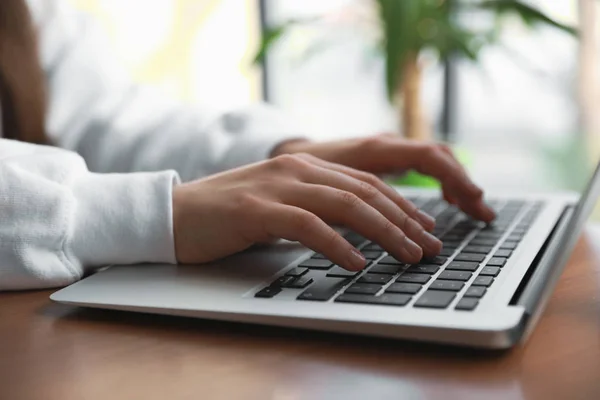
[[487, 289]]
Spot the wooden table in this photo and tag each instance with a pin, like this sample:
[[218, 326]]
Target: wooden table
[[50, 351]]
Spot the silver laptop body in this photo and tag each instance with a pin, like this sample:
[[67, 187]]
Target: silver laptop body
[[548, 227]]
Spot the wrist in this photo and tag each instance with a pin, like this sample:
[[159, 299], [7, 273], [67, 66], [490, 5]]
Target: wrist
[[179, 215]]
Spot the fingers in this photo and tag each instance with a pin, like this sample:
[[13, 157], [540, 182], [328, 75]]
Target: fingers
[[448, 196], [450, 199], [296, 224], [385, 153], [438, 163], [367, 196], [409, 208], [369, 200], [376, 199], [346, 208], [479, 205], [431, 160]]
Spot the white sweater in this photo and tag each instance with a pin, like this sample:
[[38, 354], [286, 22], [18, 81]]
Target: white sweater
[[58, 220]]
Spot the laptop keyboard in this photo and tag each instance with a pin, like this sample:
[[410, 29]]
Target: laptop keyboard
[[472, 258]]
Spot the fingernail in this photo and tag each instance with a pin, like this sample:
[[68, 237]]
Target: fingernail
[[356, 260], [425, 219], [414, 252], [432, 244]]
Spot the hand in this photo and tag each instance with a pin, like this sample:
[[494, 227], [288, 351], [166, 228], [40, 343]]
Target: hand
[[296, 197], [386, 154]]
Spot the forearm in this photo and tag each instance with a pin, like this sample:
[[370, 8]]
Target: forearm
[[58, 221], [181, 138]]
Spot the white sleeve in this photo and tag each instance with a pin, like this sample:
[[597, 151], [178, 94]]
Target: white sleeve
[[118, 126], [58, 220]]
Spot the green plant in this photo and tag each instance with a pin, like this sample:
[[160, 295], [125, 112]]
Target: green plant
[[408, 27]]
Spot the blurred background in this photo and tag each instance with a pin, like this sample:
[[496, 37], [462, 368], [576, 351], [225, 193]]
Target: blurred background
[[523, 116]]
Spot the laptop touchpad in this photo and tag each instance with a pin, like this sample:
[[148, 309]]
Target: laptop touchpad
[[197, 283]]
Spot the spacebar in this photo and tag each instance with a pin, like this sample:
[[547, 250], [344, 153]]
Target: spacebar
[[323, 290]]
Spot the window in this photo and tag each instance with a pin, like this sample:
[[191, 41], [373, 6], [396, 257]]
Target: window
[[198, 50], [516, 110]]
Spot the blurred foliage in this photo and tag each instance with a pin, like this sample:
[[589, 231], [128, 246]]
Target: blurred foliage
[[409, 27]]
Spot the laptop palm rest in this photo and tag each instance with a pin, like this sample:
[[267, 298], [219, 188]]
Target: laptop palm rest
[[213, 282]]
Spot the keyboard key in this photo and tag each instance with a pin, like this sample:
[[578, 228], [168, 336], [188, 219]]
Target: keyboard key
[[319, 256], [375, 278], [485, 235], [441, 226], [476, 291], [297, 272], [430, 205], [389, 260], [483, 281], [467, 224], [503, 253], [323, 290], [515, 204], [455, 275], [316, 264], [434, 260], [452, 237], [490, 271], [478, 249], [437, 233], [435, 299], [483, 242], [372, 255], [408, 288], [282, 281], [413, 278], [470, 257], [363, 288], [494, 226], [383, 300], [463, 266], [423, 269], [340, 272], [467, 304], [496, 262], [452, 286], [509, 245], [355, 239], [268, 292], [299, 283], [373, 247], [515, 237], [460, 229], [451, 245], [447, 252], [385, 269]]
